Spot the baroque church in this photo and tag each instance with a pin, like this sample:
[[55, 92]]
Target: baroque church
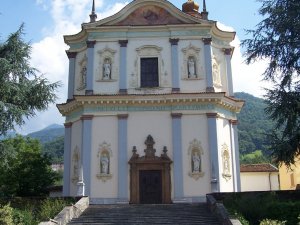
[[151, 113]]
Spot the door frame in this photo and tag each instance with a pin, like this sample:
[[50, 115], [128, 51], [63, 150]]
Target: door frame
[[150, 162]]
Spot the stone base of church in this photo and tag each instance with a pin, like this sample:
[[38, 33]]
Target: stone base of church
[[107, 201], [103, 201]]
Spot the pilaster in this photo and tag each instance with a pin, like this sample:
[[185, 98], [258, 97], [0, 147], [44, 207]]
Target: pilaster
[[86, 151], [122, 158], [208, 65], [235, 155], [175, 65], [177, 156], [71, 82], [228, 52], [213, 149], [123, 67], [67, 159], [90, 68]]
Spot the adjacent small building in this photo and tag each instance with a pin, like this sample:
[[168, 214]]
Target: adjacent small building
[[259, 177], [290, 176]]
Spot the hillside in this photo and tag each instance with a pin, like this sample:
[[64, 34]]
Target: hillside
[[48, 134], [253, 125]]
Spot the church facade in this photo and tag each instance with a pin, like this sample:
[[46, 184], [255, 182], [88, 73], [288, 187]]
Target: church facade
[[150, 115]]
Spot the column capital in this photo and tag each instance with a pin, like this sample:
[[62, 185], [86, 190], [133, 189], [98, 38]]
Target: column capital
[[176, 115], [227, 51], [86, 117], [234, 122], [122, 116], [212, 115], [174, 41], [68, 125], [123, 43], [90, 44], [207, 41], [71, 55]]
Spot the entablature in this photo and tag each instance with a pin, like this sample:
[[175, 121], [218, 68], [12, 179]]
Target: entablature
[[155, 102]]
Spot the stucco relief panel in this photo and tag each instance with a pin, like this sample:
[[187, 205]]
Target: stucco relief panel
[[75, 165], [81, 78]]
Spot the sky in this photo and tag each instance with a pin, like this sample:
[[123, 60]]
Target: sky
[[46, 21]]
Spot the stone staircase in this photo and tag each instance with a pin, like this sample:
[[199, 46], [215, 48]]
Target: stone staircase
[[189, 214]]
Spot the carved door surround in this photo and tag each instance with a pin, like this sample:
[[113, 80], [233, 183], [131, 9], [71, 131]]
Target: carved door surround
[[149, 162]]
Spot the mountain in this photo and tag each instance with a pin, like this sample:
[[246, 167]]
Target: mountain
[[253, 125], [48, 134]]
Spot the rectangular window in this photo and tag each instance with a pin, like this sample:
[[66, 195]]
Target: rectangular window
[[149, 72]]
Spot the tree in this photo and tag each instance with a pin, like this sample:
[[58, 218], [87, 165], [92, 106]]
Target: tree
[[23, 91], [26, 172], [277, 40]]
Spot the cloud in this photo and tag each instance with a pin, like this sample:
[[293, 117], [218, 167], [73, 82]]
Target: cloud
[[246, 78], [48, 55]]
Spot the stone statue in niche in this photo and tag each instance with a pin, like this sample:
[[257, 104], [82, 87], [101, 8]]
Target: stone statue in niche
[[226, 162], [195, 151], [107, 69], [196, 162], [104, 164], [191, 67]]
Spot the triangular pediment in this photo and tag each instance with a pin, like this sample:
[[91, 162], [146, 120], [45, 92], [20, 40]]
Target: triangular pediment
[[147, 12], [150, 15]]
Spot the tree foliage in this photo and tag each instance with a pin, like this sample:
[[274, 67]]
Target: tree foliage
[[277, 40], [23, 91], [24, 172]]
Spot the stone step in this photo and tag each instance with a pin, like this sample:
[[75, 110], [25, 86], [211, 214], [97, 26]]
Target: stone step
[[147, 214]]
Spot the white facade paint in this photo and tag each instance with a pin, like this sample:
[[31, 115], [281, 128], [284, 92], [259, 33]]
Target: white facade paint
[[259, 181], [149, 110]]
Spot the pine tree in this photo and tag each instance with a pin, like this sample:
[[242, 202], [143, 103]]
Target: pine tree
[[277, 40], [23, 90]]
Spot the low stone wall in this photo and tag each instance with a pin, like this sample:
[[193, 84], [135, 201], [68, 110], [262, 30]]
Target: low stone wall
[[69, 212], [220, 211]]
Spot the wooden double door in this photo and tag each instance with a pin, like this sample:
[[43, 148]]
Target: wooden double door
[[150, 186]]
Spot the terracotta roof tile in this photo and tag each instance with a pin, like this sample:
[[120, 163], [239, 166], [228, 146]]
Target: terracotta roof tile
[[264, 167]]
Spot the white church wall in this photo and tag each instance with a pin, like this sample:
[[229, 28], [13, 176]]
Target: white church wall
[[195, 127], [156, 124], [225, 159], [76, 140], [106, 50], [104, 135], [186, 49]]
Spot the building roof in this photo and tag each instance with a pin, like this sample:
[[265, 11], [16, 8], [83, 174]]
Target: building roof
[[264, 167]]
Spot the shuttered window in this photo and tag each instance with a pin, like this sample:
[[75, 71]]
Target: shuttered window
[[149, 72]]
